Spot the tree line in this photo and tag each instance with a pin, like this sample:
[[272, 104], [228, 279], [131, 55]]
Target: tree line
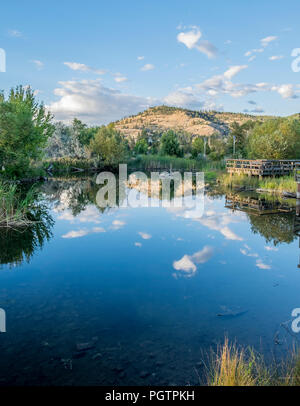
[[28, 133]]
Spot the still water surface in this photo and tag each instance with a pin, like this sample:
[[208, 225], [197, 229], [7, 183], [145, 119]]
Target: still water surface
[[138, 296]]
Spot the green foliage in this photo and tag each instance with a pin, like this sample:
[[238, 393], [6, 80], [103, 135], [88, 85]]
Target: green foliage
[[197, 146], [217, 148], [239, 134], [108, 146], [169, 144], [24, 130], [141, 146], [275, 139]]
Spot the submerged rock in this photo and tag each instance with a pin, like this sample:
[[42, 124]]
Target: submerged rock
[[85, 346]]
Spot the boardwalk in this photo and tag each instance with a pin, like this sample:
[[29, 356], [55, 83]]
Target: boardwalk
[[262, 167]]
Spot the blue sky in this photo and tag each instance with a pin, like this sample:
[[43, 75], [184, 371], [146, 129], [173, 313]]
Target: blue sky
[[100, 60]]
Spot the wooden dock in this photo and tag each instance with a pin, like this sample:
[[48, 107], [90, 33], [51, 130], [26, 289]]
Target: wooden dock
[[262, 167], [256, 205]]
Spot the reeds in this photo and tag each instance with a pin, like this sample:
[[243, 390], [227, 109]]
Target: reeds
[[15, 206]]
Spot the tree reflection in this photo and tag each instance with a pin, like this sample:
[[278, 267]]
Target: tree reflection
[[275, 228], [18, 245]]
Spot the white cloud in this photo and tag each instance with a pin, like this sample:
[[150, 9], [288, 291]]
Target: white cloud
[[140, 58], [234, 70], [187, 263], [82, 233], [191, 40], [268, 248], [183, 99], [266, 41], [261, 265], [93, 103], [276, 57], [81, 67], [138, 244], [39, 64], [117, 224], [145, 236], [286, 91], [147, 67], [120, 79], [75, 234]]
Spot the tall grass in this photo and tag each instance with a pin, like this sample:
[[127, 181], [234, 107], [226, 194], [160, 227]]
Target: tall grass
[[281, 184], [231, 365], [159, 162], [14, 205]]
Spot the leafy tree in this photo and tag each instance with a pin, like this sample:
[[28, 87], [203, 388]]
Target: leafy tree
[[108, 146], [169, 144], [217, 148], [83, 132], [25, 127], [197, 146], [240, 132], [141, 146], [275, 139]]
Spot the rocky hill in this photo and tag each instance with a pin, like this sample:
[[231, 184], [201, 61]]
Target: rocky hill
[[162, 118]]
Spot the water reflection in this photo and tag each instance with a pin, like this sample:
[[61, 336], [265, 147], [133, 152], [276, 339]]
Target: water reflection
[[127, 296], [18, 245]]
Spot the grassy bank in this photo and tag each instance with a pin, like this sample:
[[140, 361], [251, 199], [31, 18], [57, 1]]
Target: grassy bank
[[234, 366], [281, 184], [158, 162], [15, 206]]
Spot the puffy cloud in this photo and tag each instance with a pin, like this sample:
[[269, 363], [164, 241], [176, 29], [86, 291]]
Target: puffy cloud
[[83, 68], [138, 244], [184, 99], [187, 264], [286, 91], [93, 103], [191, 40], [140, 58], [147, 67]]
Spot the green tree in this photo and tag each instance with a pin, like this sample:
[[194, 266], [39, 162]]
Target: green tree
[[239, 133], [25, 127], [217, 148], [275, 139], [141, 146], [197, 146], [169, 144], [108, 146]]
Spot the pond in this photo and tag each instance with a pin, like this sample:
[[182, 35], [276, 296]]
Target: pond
[[140, 296]]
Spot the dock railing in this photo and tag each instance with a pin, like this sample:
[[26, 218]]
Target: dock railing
[[262, 167]]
